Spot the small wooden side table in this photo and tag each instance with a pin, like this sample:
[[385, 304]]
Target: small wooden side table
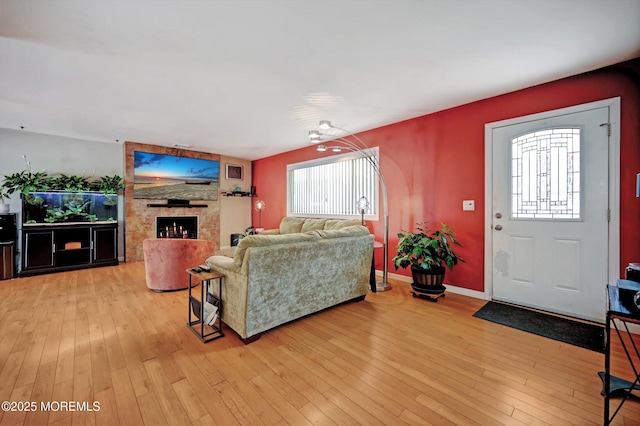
[[206, 278]]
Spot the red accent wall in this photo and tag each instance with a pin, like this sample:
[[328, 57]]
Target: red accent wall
[[433, 162]]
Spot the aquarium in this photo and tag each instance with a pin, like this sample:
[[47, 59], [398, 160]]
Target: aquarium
[[68, 207]]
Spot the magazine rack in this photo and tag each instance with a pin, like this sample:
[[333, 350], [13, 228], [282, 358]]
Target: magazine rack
[[205, 332]]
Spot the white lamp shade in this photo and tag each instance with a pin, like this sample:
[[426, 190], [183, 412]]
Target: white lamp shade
[[363, 204], [325, 124], [314, 135]]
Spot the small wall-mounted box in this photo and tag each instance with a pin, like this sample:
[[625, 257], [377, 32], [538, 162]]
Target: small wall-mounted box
[[468, 205]]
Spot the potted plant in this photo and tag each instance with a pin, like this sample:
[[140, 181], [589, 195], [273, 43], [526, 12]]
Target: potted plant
[[25, 181], [72, 183], [110, 184], [428, 253], [4, 195]]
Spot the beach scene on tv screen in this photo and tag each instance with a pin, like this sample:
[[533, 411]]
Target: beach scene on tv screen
[[170, 177]]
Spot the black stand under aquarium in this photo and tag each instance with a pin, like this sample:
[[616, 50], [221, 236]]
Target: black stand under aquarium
[[68, 230]]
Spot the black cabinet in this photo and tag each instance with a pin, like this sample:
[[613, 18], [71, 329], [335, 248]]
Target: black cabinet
[[52, 248], [105, 244], [8, 240], [8, 228], [37, 249]]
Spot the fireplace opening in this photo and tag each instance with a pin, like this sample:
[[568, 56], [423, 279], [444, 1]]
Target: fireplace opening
[[177, 227]]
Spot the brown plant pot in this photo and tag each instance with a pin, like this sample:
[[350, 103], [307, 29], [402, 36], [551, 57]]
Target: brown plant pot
[[430, 280]]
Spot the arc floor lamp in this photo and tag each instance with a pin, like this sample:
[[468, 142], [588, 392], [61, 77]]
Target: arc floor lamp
[[351, 142]]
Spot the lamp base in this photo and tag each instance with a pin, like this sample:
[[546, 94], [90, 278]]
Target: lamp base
[[382, 286]]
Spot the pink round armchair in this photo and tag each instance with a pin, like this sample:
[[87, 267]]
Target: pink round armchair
[[166, 261]]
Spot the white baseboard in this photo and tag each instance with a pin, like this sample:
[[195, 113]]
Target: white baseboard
[[633, 328], [450, 288]]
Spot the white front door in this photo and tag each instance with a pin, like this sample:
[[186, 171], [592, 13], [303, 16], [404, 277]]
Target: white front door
[[550, 209]]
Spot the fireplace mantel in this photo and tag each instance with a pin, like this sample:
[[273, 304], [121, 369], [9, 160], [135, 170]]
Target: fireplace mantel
[[186, 206]]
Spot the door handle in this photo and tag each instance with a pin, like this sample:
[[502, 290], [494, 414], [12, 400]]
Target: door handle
[[498, 227]]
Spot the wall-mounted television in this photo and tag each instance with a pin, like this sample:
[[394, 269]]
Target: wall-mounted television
[[172, 177]]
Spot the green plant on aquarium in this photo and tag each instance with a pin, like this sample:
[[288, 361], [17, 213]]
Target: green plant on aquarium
[[75, 199], [110, 184], [27, 181], [70, 183]]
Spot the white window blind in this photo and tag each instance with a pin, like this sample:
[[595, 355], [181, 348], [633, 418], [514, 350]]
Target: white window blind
[[332, 186]]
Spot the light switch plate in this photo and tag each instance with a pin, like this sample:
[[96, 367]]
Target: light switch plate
[[468, 205]]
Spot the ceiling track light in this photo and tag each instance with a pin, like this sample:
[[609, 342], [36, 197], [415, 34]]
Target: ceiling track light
[[179, 145], [321, 148]]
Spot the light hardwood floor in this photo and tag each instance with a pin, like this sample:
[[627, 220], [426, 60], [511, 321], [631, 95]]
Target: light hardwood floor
[[100, 335]]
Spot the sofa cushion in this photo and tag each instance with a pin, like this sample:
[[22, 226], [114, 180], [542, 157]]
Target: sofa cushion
[[349, 231], [341, 223], [269, 240], [291, 225], [312, 224], [294, 225]]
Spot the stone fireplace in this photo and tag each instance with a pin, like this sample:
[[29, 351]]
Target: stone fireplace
[[141, 214]]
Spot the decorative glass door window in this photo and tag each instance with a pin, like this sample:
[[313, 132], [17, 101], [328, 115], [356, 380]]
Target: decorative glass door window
[[545, 174]]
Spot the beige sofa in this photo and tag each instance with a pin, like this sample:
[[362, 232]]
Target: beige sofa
[[303, 267]]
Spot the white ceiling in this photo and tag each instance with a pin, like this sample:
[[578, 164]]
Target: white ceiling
[[249, 78]]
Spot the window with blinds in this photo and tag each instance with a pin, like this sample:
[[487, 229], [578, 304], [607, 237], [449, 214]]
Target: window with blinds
[[332, 186]]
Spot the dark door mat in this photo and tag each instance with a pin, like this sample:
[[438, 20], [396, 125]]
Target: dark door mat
[[584, 335]]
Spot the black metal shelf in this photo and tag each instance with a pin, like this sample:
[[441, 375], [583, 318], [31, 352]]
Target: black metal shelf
[[197, 308], [239, 194], [621, 309]]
